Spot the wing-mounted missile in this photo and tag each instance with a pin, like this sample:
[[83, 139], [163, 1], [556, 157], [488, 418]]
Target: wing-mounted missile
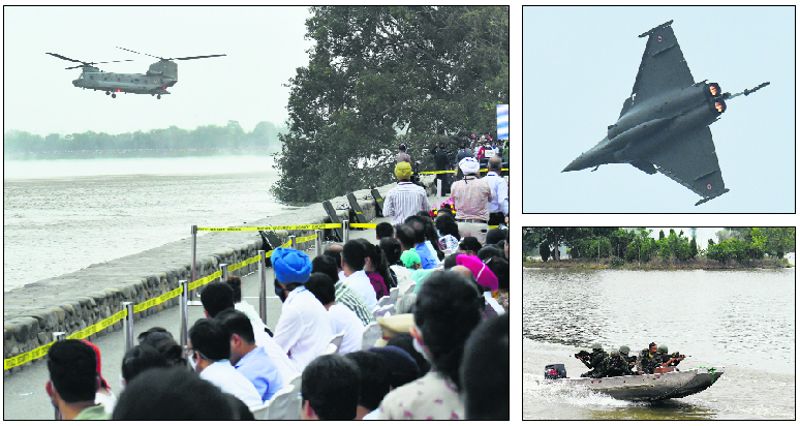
[[746, 92]]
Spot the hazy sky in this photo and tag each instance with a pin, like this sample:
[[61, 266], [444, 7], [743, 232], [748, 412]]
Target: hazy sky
[[580, 64], [264, 46]]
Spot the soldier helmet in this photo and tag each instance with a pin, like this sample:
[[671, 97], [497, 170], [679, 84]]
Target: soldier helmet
[[614, 353], [662, 349], [597, 347], [624, 350]]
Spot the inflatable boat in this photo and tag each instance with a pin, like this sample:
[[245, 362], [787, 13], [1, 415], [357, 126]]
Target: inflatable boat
[[642, 387]]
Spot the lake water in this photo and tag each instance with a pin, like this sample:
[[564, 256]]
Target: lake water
[[742, 321], [63, 215]]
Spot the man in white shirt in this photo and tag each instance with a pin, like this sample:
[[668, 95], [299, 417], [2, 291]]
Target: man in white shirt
[[218, 297], [209, 350], [343, 320], [354, 256], [498, 204], [405, 199], [304, 329]]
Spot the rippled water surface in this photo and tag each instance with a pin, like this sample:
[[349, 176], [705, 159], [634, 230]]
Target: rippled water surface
[[742, 321], [63, 215]]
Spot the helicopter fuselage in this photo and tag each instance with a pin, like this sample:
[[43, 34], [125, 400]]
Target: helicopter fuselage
[[159, 77]]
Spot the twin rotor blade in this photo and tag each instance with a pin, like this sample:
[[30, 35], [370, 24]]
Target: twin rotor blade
[[84, 63], [185, 58]]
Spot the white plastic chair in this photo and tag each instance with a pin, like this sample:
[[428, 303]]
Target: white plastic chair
[[337, 340], [261, 413], [383, 311], [393, 293], [285, 404], [385, 300], [295, 382], [371, 334]]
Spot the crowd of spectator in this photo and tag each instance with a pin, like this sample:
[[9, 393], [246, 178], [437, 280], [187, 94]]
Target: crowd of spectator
[[436, 291]]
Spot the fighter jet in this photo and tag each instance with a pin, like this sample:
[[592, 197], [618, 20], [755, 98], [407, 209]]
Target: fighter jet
[[663, 125]]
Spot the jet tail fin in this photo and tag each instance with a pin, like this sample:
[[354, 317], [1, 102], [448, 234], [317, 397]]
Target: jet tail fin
[[705, 200]]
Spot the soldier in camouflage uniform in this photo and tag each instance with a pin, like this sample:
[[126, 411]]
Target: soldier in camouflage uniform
[[598, 361], [618, 365], [669, 360], [625, 351], [648, 359]]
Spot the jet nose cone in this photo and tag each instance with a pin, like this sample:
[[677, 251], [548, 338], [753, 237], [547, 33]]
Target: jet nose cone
[[574, 165]]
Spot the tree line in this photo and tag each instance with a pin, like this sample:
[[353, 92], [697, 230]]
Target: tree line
[[742, 245], [204, 140], [381, 75]]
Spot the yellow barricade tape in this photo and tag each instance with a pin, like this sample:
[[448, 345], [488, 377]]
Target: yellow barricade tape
[[242, 264], [155, 301], [443, 172], [363, 225], [41, 351], [205, 280], [304, 227], [305, 239], [99, 326], [26, 357]]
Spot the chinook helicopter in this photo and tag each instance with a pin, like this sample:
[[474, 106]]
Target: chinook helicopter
[[155, 81]]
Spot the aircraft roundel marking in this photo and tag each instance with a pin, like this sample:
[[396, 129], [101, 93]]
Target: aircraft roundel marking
[[708, 187], [659, 39]]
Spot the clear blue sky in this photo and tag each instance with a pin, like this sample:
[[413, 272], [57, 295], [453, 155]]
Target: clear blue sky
[[264, 45], [580, 64]]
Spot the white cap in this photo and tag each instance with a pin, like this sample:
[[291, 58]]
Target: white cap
[[469, 165]]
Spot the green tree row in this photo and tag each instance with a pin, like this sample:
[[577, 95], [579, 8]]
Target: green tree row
[[157, 142], [378, 75], [742, 244], [637, 245]]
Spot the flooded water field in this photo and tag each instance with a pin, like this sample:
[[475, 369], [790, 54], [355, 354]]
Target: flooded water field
[[740, 321], [63, 215]]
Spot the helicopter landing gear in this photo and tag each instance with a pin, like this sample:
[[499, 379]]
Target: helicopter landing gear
[[107, 93], [158, 97], [113, 95]]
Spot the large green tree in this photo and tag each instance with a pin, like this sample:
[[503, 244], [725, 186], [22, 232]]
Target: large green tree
[[379, 72]]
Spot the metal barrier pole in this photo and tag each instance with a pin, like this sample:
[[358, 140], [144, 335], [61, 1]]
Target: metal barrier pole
[[184, 313], [318, 243], [438, 187], [194, 252], [224, 268], [57, 337], [262, 289], [345, 230], [128, 325], [293, 239]]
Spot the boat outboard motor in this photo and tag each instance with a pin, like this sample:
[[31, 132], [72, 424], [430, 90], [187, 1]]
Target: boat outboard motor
[[555, 371]]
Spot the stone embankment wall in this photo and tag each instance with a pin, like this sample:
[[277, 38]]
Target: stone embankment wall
[[73, 301]]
